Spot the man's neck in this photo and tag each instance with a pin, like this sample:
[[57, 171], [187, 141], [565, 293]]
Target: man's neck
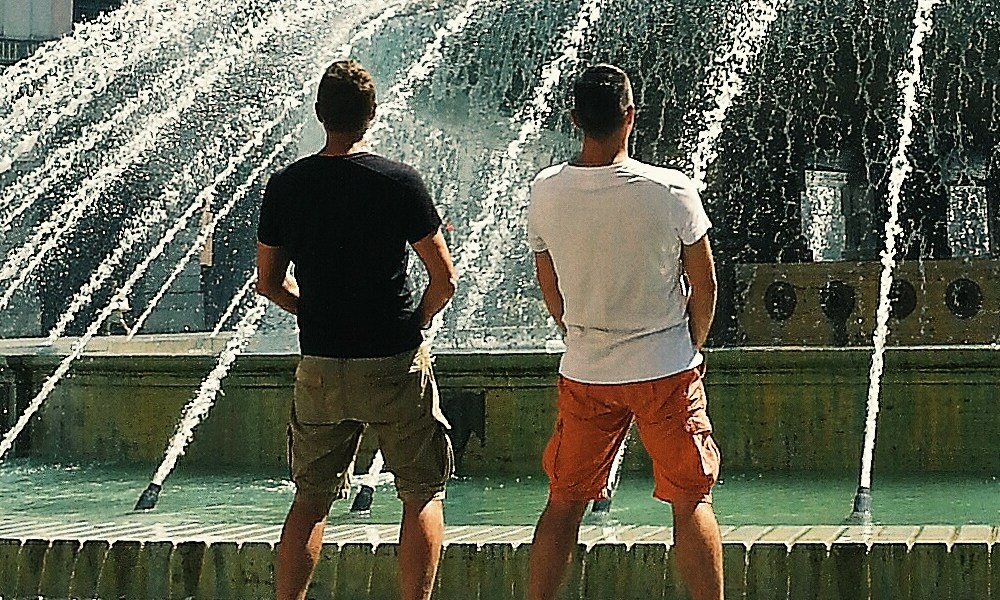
[[601, 153], [338, 145]]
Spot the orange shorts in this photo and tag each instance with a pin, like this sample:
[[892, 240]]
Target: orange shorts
[[593, 420]]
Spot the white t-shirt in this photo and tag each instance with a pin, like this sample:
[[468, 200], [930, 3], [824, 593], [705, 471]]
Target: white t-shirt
[[615, 235]]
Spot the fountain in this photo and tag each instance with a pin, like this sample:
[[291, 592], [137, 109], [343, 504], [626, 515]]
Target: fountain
[[133, 152]]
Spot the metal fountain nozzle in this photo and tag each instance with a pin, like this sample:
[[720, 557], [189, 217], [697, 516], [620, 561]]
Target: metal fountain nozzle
[[862, 510], [148, 498], [363, 500]]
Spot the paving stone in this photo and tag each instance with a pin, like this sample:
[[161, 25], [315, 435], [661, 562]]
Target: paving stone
[[185, 568], [459, 572], [87, 569], [30, 560], [59, 561], [783, 534], [640, 533], [9, 549], [354, 571], [746, 534], [257, 567]]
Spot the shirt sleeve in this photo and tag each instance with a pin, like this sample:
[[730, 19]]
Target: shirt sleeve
[[692, 221], [422, 218], [535, 241], [269, 223]]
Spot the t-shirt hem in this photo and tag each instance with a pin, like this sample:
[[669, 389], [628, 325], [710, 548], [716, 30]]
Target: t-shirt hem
[[697, 360]]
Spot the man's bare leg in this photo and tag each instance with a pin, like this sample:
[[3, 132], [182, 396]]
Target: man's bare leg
[[553, 547], [698, 544], [299, 549], [420, 537]]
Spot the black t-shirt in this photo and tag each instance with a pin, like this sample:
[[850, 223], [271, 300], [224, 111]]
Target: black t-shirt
[[345, 222]]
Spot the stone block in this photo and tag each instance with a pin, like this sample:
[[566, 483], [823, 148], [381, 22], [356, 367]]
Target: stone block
[[809, 570], [460, 572], [185, 569], [769, 569], [123, 575], [156, 558], [994, 579], [30, 562], [87, 570], [385, 573], [59, 561], [850, 572], [890, 571], [517, 570], [504, 571], [221, 575], [969, 566], [257, 564], [638, 571], [324, 581], [9, 550], [572, 588], [930, 576], [355, 563], [734, 570]]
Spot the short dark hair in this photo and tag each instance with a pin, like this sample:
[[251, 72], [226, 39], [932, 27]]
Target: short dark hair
[[601, 98], [346, 97]]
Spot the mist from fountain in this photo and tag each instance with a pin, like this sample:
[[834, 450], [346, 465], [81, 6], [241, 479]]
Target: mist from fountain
[[238, 299], [277, 24], [200, 406], [507, 167]]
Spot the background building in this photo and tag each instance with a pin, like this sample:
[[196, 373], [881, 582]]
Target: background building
[[27, 24]]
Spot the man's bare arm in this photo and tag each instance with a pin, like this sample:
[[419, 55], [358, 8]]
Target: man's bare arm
[[545, 271], [273, 281], [433, 252], [700, 271]]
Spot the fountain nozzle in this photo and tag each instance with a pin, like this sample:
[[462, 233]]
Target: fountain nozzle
[[148, 498], [363, 500], [862, 512]]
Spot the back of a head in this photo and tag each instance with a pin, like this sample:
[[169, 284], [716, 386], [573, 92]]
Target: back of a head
[[601, 97], [346, 97]]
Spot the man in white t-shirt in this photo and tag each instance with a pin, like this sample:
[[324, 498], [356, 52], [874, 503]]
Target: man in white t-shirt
[[625, 267]]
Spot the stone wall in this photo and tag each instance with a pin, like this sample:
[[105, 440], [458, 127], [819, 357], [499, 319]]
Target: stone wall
[[490, 563], [773, 409]]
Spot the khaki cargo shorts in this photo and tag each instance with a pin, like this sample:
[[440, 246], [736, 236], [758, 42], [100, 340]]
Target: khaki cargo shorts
[[396, 396]]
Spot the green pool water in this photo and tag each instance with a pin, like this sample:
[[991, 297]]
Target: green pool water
[[103, 493]]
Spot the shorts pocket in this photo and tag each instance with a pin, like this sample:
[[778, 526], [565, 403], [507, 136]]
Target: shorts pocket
[[311, 407]]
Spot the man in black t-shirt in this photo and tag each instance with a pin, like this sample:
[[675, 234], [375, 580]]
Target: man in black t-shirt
[[344, 217]]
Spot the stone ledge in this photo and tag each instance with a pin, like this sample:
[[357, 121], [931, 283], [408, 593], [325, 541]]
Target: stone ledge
[[58, 559]]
